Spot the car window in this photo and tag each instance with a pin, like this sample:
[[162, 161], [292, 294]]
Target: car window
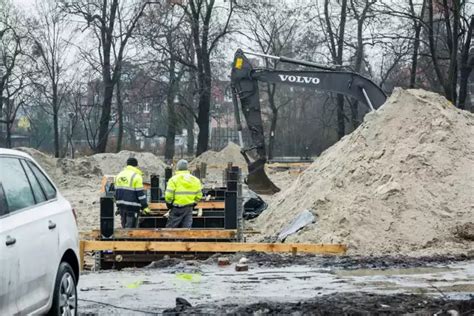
[[48, 188], [37, 190], [3, 201], [17, 189]]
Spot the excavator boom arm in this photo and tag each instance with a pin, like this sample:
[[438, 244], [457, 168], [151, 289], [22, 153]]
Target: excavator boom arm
[[346, 83], [244, 82]]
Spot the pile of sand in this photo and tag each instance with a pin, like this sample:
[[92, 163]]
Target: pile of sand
[[217, 161], [402, 183], [79, 179], [111, 164], [220, 159]]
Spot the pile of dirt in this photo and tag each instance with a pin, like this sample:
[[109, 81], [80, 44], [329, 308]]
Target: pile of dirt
[[79, 179], [400, 184]]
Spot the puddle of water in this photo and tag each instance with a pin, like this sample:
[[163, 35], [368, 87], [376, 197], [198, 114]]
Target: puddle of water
[[406, 271], [466, 288], [220, 285]]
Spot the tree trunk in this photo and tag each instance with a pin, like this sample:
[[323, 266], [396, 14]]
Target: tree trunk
[[105, 118], [55, 120], [271, 101], [416, 42], [453, 38], [171, 131], [414, 57], [358, 64], [337, 55], [9, 134], [56, 133], [119, 116], [341, 130], [190, 140], [271, 141], [203, 122], [355, 114], [466, 66], [433, 50], [3, 140], [204, 107]]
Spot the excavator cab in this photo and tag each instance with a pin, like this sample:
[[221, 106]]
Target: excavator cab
[[244, 85]]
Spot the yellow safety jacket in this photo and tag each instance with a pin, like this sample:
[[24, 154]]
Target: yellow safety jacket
[[129, 192], [183, 189]]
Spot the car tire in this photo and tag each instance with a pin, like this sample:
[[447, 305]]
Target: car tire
[[65, 292]]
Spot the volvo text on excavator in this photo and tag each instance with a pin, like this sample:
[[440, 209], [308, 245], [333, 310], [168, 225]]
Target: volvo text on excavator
[[244, 85]]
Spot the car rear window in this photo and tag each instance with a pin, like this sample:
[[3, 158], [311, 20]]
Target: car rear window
[[16, 186], [48, 188]]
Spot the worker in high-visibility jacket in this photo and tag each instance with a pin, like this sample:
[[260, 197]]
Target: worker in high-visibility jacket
[[130, 197], [183, 192]]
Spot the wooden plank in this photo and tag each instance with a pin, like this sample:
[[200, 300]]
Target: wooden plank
[[204, 205], [81, 255], [172, 233], [289, 164], [212, 247]]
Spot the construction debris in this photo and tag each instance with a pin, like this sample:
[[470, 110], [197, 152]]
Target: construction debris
[[400, 184], [303, 219], [223, 261], [239, 267]]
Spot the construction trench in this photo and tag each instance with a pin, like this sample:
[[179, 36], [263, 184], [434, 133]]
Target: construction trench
[[384, 222], [153, 270]]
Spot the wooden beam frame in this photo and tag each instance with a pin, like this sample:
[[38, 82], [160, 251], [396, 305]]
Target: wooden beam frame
[[170, 233], [218, 247]]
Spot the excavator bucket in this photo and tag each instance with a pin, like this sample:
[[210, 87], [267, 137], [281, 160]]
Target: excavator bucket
[[257, 179]]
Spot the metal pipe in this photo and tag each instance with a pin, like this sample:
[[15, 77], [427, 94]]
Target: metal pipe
[[261, 55], [241, 140], [291, 60], [367, 99]]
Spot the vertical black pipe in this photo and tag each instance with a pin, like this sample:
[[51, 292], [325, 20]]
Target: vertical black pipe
[[106, 217]]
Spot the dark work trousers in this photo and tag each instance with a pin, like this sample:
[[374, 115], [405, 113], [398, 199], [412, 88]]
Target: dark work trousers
[[128, 218], [180, 217]]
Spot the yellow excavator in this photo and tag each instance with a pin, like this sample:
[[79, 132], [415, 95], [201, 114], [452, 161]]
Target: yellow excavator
[[244, 85]]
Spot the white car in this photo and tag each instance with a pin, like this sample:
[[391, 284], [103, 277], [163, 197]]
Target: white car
[[39, 266]]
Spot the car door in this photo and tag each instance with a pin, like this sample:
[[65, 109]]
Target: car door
[[29, 227], [52, 214], [9, 261]]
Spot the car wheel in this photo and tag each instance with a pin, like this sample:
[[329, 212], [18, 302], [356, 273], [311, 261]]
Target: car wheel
[[65, 292]]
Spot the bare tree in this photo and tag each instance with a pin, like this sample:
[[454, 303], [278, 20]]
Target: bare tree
[[51, 58], [466, 63], [450, 22], [361, 11], [162, 29], [336, 48], [112, 24], [207, 31], [274, 28], [12, 79], [442, 33]]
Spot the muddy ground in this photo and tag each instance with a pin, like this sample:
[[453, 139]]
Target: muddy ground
[[340, 304], [284, 284]]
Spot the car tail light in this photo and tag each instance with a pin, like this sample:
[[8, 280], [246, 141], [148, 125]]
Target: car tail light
[[75, 215]]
